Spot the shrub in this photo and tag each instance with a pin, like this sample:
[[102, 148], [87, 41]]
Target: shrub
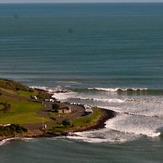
[[65, 122], [7, 107], [13, 85], [55, 107], [11, 130]]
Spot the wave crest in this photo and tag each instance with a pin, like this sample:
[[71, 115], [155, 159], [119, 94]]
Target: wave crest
[[118, 89], [115, 100]]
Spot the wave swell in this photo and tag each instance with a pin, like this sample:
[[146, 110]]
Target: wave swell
[[130, 91]]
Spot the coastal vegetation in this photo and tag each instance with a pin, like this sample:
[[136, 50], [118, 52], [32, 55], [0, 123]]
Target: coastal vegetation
[[12, 130], [13, 85]]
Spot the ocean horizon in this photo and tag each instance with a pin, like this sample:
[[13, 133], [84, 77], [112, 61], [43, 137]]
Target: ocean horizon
[[108, 55]]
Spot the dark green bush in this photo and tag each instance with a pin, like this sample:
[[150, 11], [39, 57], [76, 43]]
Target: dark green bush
[[55, 107], [11, 130]]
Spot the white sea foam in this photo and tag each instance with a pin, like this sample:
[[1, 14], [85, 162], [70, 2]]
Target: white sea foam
[[115, 100], [116, 89], [104, 89], [103, 135], [116, 109], [64, 96], [138, 125], [124, 127], [121, 129], [52, 89], [28, 139], [137, 116], [109, 100], [144, 106], [3, 142], [88, 139], [41, 87]]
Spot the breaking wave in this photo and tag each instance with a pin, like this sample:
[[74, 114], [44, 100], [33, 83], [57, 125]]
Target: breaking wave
[[8, 140], [137, 116], [122, 128], [135, 124], [118, 89], [101, 99], [57, 89], [130, 91]]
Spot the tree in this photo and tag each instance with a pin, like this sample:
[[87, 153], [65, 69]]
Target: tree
[[66, 122], [7, 107], [55, 107]]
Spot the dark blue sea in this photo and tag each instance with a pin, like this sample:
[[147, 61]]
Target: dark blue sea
[[105, 55]]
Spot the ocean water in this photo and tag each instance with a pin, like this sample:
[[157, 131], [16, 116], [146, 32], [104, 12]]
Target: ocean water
[[106, 55]]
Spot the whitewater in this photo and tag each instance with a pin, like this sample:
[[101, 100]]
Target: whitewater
[[137, 114]]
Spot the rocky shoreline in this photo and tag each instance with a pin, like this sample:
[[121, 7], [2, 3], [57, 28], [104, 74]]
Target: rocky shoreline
[[106, 115]]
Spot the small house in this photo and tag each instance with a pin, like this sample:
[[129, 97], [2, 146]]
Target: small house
[[65, 109]]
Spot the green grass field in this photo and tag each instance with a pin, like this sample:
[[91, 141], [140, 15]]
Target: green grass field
[[20, 92], [87, 120], [21, 111], [27, 94]]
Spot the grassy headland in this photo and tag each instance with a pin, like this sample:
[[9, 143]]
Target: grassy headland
[[27, 109]]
